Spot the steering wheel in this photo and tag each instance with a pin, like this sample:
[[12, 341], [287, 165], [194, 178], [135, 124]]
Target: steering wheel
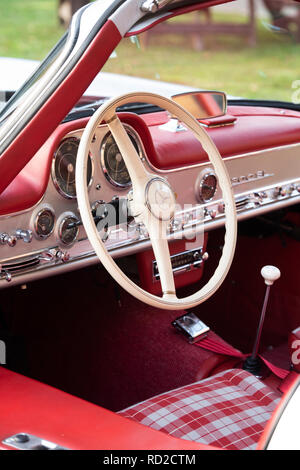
[[152, 202]]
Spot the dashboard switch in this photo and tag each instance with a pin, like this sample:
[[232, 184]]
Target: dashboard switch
[[63, 256], [276, 192], [283, 192]]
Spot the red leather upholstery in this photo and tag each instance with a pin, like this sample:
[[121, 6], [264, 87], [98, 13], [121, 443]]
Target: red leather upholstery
[[250, 132], [229, 410], [225, 120], [29, 406]]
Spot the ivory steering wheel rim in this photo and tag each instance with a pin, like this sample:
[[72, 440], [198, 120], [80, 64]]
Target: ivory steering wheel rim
[[146, 211]]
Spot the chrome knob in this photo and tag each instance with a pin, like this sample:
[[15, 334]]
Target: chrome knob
[[175, 225], [283, 192], [6, 239], [25, 235], [63, 256], [212, 213], [46, 256], [5, 275], [276, 192]]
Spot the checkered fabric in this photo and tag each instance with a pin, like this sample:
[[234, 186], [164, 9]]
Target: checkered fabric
[[229, 410]]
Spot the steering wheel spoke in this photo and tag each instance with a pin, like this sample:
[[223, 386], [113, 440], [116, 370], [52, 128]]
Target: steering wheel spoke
[[157, 230], [138, 174]]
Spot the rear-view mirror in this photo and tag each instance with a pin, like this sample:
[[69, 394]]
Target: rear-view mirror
[[203, 104]]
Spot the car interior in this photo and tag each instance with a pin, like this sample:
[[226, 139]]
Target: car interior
[[133, 306]]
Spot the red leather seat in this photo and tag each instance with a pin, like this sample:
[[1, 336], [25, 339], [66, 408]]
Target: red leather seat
[[229, 410]]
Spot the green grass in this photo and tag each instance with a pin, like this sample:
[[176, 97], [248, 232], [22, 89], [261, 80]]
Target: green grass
[[226, 63], [29, 29]]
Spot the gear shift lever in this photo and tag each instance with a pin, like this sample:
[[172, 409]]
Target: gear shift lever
[[252, 363]]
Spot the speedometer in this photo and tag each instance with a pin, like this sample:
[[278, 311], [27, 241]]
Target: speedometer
[[112, 162], [64, 165]]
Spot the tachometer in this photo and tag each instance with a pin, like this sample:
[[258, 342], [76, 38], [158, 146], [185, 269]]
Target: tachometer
[[63, 167], [112, 162]]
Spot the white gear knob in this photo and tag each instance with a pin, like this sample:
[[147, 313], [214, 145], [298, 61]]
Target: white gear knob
[[270, 274]]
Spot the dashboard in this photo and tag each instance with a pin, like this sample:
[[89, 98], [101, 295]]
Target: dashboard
[[41, 232]]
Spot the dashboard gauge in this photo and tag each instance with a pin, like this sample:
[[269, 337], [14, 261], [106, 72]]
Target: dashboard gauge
[[44, 223], [112, 162], [64, 165], [207, 186], [68, 229]]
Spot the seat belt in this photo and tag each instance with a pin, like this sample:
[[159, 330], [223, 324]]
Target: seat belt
[[214, 344]]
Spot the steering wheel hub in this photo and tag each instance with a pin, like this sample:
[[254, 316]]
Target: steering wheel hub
[[160, 199]]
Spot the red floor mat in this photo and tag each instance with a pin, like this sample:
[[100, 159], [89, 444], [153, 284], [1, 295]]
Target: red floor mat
[[78, 339]]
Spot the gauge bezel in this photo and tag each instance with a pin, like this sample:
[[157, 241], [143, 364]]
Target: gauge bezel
[[35, 220], [200, 182], [137, 140], [60, 221], [53, 172]]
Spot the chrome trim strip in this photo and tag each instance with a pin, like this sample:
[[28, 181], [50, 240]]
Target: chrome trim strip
[[226, 159], [133, 247]]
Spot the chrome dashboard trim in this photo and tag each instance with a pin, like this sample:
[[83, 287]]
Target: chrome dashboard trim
[[133, 247]]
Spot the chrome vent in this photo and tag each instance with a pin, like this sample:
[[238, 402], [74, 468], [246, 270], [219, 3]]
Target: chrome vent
[[241, 203], [20, 265]]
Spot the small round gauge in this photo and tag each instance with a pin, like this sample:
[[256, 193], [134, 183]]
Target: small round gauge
[[207, 186], [44, 223], [68, 229], [112, 162], [64, 165]]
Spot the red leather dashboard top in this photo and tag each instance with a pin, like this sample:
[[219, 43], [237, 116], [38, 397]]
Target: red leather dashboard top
[[34, 408], [254, 129]]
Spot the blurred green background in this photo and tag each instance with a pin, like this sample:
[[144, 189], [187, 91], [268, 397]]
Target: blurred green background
[[30, 28]]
